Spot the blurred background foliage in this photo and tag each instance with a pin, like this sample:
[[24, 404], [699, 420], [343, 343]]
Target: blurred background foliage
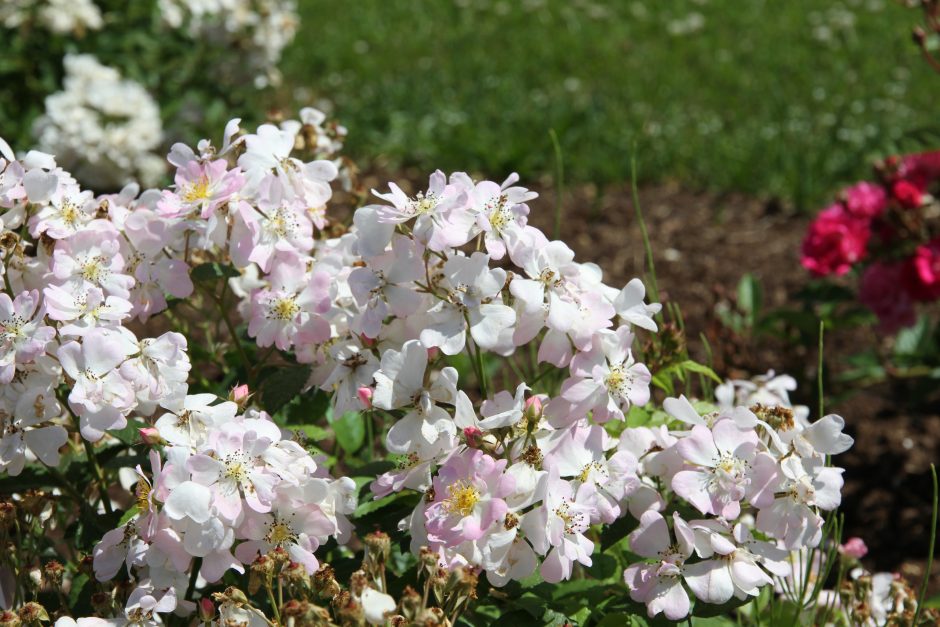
[[784, 100]]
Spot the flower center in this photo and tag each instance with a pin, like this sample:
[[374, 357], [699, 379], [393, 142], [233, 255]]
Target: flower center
[[498, 212], [591, 471], [93, 269], [284, 308], [281, 223], [197, 190], [619, 380], [462, 498], [422, 203], [280, 533], [236, 467], [574, 521], [69, 213]]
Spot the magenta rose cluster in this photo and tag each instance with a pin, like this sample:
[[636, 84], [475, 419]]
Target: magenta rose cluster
[[889, 232]]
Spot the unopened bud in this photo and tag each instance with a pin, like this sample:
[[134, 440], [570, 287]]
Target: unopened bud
[[533, 406], [150, 435], [240, 394], [206, 610], [473, 436], [855, 548], [365, 396]]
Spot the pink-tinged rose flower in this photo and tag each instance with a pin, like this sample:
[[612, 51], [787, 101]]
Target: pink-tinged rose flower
[[921, 169], [907, 193], [925, 275], [865, 200], [835, 241], [854, 547], [883, 291]]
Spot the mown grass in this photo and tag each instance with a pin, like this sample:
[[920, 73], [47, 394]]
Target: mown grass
[[785, 99]]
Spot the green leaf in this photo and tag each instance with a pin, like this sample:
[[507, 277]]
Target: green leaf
[[128, 515], [309, 407], [350, 431], [750, 297], [283, 386], [371, 506], [314, 433], [79, 583], [212, 271], [694, 366]]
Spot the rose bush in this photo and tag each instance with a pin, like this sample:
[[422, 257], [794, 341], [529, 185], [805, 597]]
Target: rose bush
[[195, 379]]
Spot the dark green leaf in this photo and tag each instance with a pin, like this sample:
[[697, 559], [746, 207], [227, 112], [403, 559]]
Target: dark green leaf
[[212, 271], [283, 386], [350, 431]]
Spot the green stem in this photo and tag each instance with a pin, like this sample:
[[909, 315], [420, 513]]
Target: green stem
[[220, 304], [653, 284], [193, 576], [819, 370], [92, 458], [99, 475], [559, 181], [933, 543], [274, 607]]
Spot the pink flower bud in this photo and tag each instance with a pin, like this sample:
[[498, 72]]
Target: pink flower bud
[[432, 352], [533, 409], [150, 435], [206, 610], [368, 342], [854, 547], [473, 436], [239, 393], [365, 396]]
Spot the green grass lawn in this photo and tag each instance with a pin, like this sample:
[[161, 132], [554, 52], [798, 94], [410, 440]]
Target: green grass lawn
[[788, 98]]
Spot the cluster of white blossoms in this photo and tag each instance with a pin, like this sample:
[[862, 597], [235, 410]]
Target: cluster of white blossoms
[[263, 27], [102, 127], [511, 481], [61, 17]]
